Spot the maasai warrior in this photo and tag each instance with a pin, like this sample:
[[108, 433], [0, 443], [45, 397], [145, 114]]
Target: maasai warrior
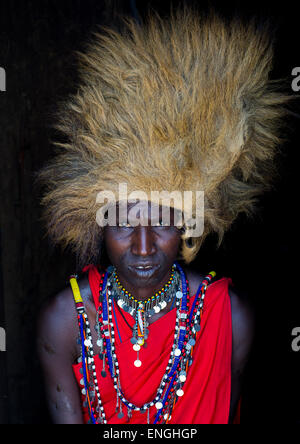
[[180, 104]]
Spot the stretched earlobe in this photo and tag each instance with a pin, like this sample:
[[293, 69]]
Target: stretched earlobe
[[189, 242]]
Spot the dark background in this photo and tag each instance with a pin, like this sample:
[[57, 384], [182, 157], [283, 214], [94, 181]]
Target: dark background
[[37, 45]]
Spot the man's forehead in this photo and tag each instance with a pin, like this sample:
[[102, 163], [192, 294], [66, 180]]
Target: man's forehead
[[143, 208]]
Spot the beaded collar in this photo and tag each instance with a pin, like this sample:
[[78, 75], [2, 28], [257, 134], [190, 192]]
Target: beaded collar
[[150, 306]]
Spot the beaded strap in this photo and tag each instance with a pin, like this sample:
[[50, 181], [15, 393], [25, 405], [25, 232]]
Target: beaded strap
[[96, 410]]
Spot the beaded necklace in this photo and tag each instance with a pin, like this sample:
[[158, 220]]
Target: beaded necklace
[[172, 383], [152, 305], [142, 310]]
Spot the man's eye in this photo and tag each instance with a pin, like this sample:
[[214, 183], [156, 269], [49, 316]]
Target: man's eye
[[161, 224], [124, 225]]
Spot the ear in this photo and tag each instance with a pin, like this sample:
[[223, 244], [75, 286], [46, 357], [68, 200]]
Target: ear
[[189, 242], [189, 248]]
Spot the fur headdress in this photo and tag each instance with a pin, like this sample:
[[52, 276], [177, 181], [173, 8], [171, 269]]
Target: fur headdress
[[182, 103]]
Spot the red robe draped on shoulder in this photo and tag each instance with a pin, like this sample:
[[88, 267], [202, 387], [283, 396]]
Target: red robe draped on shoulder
[[206, 398]]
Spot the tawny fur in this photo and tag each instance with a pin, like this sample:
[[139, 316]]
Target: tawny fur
[[183, 103]]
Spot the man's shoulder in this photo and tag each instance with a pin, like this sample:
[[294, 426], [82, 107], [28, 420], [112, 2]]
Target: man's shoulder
[[58, 318], [243, 322], [194, 278], [241, 308], [60, 304]]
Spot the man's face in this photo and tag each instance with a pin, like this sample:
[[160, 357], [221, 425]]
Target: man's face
[[143, 255]]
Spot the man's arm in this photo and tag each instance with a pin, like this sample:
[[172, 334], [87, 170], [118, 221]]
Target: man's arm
[[242, 339], [56, 339]]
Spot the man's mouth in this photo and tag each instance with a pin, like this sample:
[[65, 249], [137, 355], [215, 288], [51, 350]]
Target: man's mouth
[[144, 270]]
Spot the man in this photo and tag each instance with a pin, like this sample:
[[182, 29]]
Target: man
[[180, 105]]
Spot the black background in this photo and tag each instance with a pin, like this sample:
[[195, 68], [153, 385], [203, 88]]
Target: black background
[[38, 41]]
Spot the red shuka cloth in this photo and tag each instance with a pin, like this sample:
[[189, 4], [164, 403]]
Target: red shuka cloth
[[206, 398]]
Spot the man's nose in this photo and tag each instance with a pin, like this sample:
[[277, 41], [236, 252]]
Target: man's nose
[[143, 242]]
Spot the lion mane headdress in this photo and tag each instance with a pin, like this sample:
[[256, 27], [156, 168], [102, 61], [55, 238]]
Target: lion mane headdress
[[177, 103]]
